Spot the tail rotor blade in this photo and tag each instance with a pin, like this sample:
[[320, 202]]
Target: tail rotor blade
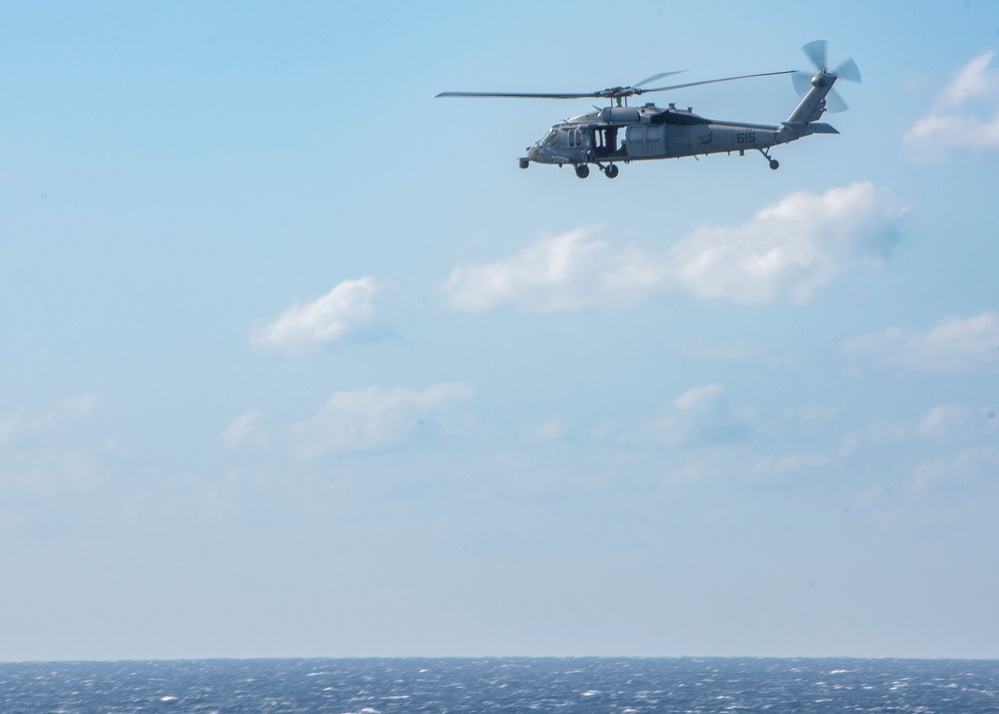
[[816, 51], [802, 82], [835, 103], [848, 71]]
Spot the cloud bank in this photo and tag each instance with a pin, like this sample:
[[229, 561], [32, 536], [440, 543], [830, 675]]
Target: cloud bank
[[345, 311], [787, 251], [965, 116]]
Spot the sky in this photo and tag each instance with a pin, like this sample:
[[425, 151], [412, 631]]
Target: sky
[[297, 362]]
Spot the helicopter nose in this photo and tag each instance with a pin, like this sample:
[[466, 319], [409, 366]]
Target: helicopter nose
[[532, 153]]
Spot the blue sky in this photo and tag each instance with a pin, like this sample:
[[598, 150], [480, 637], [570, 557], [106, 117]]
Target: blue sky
[[297, 362]]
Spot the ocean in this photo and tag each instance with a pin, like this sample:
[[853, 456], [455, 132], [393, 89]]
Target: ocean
[[507, 685]]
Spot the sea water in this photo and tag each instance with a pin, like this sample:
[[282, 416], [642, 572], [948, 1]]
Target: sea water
[[508, 685]]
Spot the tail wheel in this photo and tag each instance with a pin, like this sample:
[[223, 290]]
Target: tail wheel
[[774, 164], [582, 170]]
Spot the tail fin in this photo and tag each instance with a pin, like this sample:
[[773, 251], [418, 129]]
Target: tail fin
[[813, 104]]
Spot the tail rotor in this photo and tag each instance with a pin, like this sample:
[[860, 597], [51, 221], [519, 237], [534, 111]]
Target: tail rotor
[[803, 81]]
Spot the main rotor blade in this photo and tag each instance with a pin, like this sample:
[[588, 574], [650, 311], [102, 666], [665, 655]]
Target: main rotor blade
[[816, 51], [610, 93], [519, 95], [654, 77], [712, 81], [848, 71]]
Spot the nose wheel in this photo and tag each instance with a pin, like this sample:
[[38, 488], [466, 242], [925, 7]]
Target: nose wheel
[[582, 170]]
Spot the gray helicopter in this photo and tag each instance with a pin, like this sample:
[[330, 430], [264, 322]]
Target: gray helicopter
[[622, 133]]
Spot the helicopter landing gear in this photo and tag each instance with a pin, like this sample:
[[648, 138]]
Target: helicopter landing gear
[[611, 171], [582, 170], [774, 163]]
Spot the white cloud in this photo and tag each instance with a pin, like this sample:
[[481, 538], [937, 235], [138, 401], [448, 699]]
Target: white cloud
[[700, 415], [22, 426], [965, 116], [246, 427], [78, 406], [956, 344], [978, 462], [793, 463], [973, 80], [699, 398], [549, 431], [346, 310], [376, 417], [787, 251], [957, 422], [562, 272], [45, 452]]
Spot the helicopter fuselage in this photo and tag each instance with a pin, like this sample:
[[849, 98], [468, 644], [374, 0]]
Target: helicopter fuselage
[[648, 132]]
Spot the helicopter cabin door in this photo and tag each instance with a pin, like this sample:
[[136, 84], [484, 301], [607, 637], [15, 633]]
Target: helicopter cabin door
[[645, 141]]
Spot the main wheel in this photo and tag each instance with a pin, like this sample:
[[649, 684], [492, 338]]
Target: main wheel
[[582, 170], [611, 171], [774, 164]]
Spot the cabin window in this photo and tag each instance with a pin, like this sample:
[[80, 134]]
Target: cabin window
[[654, 133]]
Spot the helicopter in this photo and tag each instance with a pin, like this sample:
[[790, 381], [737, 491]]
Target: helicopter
[[620, 133]]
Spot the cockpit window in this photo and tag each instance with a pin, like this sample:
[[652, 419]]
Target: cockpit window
[[551, 138]]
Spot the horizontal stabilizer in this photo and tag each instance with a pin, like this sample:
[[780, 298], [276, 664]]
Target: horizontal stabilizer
[[802, 128], [818, 128]]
